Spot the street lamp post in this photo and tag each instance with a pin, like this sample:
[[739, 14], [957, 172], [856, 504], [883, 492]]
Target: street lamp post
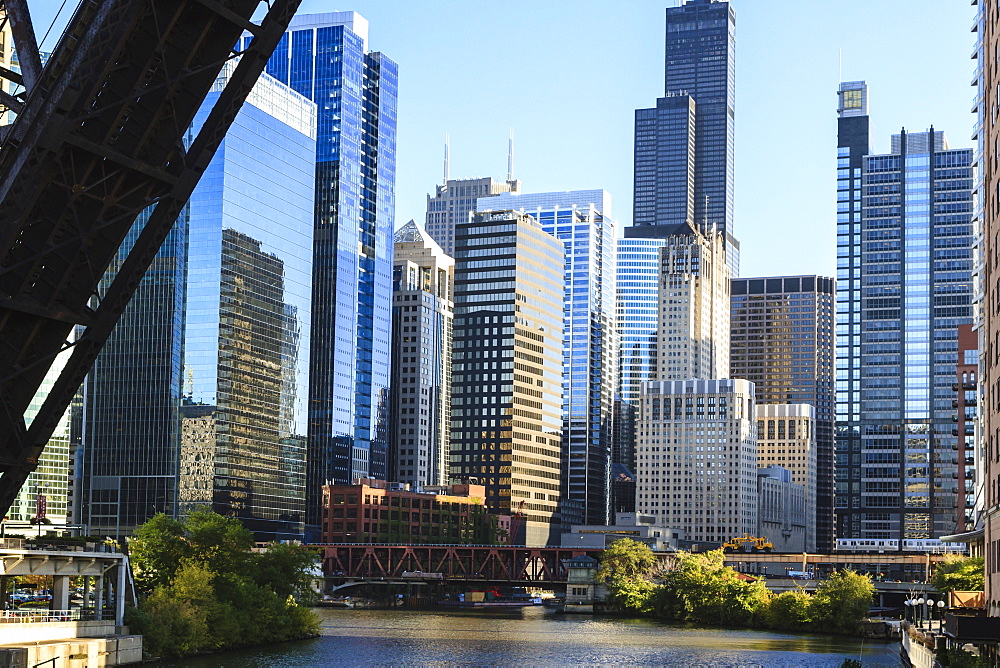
[[930, 614], [941, 606], [907, 609], [921, 612]]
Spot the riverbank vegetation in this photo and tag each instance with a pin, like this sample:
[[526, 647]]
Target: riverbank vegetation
[[203, 588], [700, 588], [959, 573]]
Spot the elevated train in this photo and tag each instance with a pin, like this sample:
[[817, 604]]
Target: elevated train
[[924, 545]]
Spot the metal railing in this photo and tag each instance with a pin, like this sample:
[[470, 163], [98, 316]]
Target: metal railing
[[42, 615]]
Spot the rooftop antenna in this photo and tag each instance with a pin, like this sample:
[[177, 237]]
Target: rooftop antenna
[[447, 156], [510, 156], [840, 64]]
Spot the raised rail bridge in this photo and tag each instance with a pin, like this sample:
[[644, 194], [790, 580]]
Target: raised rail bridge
[[490, 563], [98, 139], [544, 565]]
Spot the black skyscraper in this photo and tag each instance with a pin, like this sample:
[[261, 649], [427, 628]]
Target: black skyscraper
[[684, 146]]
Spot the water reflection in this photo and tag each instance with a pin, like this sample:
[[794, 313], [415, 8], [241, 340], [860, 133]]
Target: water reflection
[[537, 637]]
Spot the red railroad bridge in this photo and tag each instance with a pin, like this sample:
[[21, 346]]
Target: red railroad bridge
[[495, 563]]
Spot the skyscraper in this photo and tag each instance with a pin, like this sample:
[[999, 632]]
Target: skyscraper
[[782, 340], [697, 457], [905, 242], [507, 380], [200, 396], [423, 284], [325, 57], [693, 322], [786, 437], [455, 200], [684, 146], [582, 220], [638, 280]]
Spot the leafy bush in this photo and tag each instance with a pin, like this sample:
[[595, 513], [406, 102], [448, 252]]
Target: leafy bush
[[789, 611], [206, 590], [958, 573]]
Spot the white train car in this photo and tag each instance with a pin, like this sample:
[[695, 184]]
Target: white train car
[[925, 545]]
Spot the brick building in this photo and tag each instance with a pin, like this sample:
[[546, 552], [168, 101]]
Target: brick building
[[374, 511]]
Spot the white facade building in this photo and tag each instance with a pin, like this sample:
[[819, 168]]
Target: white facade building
[[423, 310], [694, 305], [786, 437], [696, 457]]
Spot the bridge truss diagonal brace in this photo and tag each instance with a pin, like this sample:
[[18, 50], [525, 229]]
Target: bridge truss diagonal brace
[[106, 316]]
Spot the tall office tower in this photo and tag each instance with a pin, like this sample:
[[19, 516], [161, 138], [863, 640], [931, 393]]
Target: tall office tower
[[786, 437], [423, 281], [684, 156], [506, 426], [782, 340], [853, 145], [455, 201], [904, 286], [582, 220], [966, 402], [325, 57], [638, 281], [200, 396], [45, 496], [987, 134], [694, 302], [696, 457]]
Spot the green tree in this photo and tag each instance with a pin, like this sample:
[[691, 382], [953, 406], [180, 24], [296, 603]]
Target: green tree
[[958, 573], [703, 589], [159, 546], [841, 602], [206, 589], [174, 620], [287, 570], [625, 560], [789, 611], [156, 550]]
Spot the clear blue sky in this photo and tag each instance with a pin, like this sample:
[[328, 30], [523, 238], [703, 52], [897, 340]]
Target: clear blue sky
[[567, 76]]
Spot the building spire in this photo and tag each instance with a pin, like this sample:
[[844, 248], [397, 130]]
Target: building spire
[[447, 157], [510, 156]]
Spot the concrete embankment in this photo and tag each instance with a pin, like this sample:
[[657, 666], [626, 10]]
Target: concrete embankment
[[70, 644]]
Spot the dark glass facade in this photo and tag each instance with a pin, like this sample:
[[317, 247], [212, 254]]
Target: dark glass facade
[[325, 58], [783, 340], [507, 364], [200, 398], [685, 145], [582, 220], [905, 245]]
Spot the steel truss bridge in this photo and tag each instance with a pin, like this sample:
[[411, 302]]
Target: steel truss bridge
[[534, 565], [544, 565], [98, 139]]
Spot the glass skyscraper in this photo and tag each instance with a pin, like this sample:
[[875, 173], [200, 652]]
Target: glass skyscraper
[[783, 341], [325, 58], [684, 147], [582, 220], [199, 398], [455, 200], [637, 306], [506, 416], [905, 244]]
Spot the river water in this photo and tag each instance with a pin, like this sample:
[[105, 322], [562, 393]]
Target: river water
[[538, 637]]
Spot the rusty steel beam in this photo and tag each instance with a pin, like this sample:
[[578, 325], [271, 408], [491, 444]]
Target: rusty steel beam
[[24, 40], [457, 562], [98, 141]]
